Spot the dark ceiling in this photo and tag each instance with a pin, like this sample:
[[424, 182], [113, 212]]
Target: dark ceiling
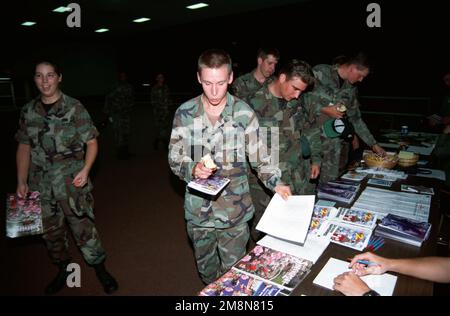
[[407, 50], [117, 15]]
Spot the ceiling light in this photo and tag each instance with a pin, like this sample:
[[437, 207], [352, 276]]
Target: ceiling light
[[5, 78], [146, 84], [197, 6], [101, 30], [140, 20], [28, 23], [62, 9]]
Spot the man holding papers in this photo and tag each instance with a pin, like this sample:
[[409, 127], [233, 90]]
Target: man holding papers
[[226, 127], [290, 131]]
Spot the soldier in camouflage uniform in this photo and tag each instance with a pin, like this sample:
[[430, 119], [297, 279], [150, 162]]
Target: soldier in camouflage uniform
[[292, 125], [53, 130], [227, 128], [246, 85], [335, 85], [118, 106], [160, 101]]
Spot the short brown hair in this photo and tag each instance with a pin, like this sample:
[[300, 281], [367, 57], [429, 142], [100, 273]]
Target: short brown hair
[[214, 58], [300, 69], [263, 53]]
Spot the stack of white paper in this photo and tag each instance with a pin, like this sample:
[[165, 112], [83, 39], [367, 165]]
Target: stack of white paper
[[289, 219], [384, 284]]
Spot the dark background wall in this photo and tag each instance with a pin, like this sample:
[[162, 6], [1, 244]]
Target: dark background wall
[[408, 50], [409, 56]]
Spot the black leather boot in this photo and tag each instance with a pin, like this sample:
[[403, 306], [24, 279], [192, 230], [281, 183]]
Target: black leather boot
[[106, 279], [60, 280]]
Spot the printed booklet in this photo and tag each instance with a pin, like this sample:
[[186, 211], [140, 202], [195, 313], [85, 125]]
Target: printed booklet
[[347, 227], [403, 229], [23, 215], [236, 283], [274, 267], [212, 185], [338, 190]]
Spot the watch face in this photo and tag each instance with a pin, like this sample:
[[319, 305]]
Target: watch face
[[339, 126]]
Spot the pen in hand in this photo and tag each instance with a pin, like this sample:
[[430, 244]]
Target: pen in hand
[[364, 262]]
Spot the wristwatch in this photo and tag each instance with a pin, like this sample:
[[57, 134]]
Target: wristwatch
[[371, 293]]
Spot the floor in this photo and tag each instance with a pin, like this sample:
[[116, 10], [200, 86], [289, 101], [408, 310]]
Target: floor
[[140, 218], [139, 215]]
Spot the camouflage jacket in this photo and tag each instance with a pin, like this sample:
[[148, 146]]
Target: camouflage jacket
[[229, 141], [160, 100], [327, 90], [120, 100], [293, 120], [245, 86], [57, 141]]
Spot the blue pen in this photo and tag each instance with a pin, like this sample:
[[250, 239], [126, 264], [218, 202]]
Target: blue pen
[[367, 262]]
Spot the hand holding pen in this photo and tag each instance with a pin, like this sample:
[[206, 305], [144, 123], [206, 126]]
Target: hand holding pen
[[368, 263]]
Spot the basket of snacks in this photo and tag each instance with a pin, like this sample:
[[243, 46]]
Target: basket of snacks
[[407, 159], [374, 160]]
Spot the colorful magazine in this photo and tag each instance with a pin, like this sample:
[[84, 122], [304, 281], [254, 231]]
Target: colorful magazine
[[357, 217], [348, 236], [404, 229], [212, 185], [274, 267], [342, 193], [343, 215], [23, 215], [320, 216], [236, 283]]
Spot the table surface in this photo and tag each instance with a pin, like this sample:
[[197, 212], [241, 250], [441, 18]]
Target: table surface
[[405, 286]]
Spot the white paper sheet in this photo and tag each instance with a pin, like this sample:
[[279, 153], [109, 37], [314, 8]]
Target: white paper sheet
[[289, 219], [311, 250], [384, 284]]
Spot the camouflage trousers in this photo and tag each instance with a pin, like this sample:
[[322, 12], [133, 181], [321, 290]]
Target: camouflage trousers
[[83, 230], [298, 178], [217, 250], [121, 125], [261, 197], [335, 156]]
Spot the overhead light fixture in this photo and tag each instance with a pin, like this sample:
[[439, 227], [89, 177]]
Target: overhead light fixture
[[146, 84], [28, 23], [5, 78], [197, 6], [140, 20], [62, 9], [101, 30]]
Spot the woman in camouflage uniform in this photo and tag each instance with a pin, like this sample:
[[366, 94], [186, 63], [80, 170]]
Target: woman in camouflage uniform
[[53, 130]]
